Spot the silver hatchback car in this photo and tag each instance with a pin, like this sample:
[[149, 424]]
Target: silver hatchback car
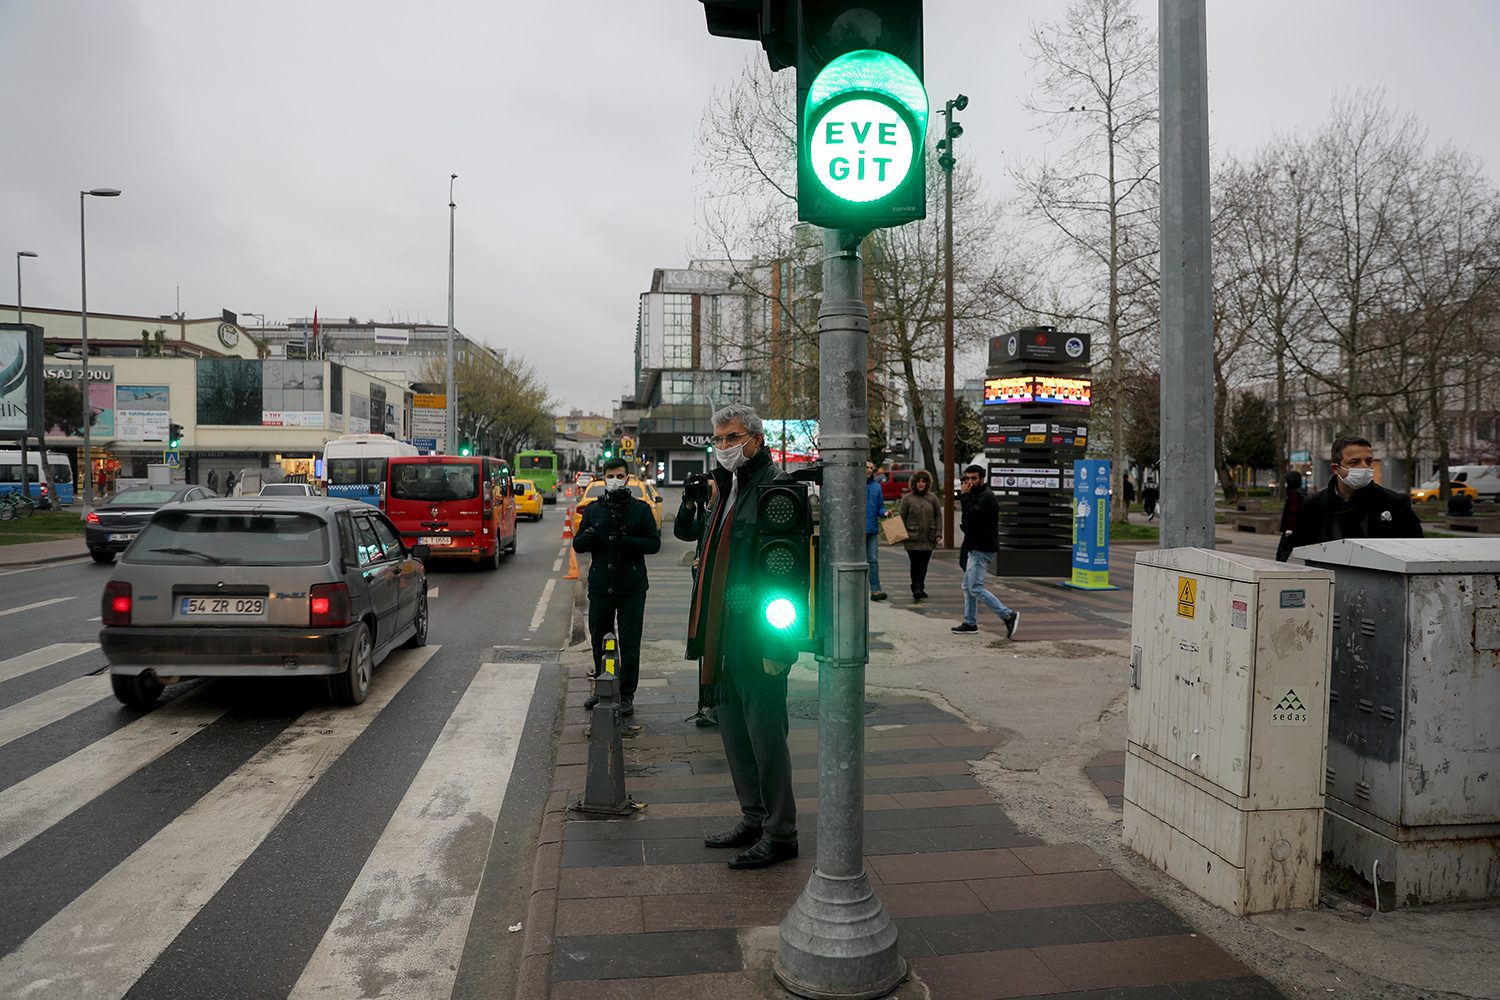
[[262, 588]]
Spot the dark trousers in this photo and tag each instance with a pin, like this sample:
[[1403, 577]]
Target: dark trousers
[[919, 560], [753, 723], [623, 615]]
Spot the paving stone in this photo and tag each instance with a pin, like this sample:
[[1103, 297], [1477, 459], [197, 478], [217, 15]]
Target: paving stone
[[924, 754], [689, 911], [968, 933], [951, 866], [1027, 892], [987, 976], [910, 943], [910, 841], [1239, 988], [910, 783], [1049, 858], [616, 915], [1138, 962], [680, 851], [629, 956], [638, 829], [976, 838], [1135, 918], [714, 793], [913, 819], [926, 899], [601, 853]]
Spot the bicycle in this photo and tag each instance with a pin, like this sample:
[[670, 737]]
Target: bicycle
[[14, 505]]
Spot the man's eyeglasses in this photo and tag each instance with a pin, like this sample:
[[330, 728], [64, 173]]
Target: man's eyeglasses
[[729, 440]]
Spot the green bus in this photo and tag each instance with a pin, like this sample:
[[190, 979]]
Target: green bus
[[541, 468]]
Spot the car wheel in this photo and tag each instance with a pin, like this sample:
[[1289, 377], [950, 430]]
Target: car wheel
[[137, 690], [491, 561], [419, 638], [102, 556], [352, 685], [539, 513], [510, 549]]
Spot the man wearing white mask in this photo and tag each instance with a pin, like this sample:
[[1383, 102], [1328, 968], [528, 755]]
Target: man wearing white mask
[[747, 666], [1354, 505], [620, 530]]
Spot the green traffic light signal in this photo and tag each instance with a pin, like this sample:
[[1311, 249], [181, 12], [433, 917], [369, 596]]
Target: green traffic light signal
[[864, 127], [174, 437], [781, 613], [783, 562]]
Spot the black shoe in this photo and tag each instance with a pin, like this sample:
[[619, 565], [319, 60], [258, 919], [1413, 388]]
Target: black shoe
[[708, 717], [921, 595], [627, 706], [590, 702], [1011, 623], [742, 835], [878, 595], [766, 852], [965, 629]]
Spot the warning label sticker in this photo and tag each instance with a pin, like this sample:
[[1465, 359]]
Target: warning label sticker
[[1239, 616], [1187, 597], [1290, 710]]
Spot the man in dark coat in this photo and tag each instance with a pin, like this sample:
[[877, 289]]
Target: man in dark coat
[[620, 531], [747, 663], [1354, 505], [981, 527]]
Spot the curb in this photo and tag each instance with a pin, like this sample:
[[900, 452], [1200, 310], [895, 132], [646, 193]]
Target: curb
[[41, 561]]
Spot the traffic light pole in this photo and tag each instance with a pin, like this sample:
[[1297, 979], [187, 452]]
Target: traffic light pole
[[838, 941]]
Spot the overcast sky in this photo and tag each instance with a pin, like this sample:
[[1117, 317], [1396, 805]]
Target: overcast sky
[[279, 156]]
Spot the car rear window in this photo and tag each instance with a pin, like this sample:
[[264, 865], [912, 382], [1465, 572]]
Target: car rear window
[[258, 538], [142, 496], [434, 482], [284, 490]]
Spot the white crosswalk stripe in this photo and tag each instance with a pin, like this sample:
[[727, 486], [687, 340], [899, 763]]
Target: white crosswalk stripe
[[404, 922], [103, 941], [36, 659], [46, 708]]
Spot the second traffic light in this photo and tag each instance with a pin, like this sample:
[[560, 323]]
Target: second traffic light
[[174, 437], [783, 559]]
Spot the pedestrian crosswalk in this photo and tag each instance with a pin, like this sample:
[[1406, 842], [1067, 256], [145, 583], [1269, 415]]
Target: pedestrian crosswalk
[[118, 857]]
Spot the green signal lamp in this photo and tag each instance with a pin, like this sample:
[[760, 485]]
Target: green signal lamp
[[781, 613], [864, 129]]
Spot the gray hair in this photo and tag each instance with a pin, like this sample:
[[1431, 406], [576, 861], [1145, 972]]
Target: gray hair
[[741, 412]]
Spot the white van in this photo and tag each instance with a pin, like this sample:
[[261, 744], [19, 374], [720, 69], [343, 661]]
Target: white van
[[1484, 479]]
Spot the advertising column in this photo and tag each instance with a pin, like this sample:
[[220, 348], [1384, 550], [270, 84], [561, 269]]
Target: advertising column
[[1090, 525]]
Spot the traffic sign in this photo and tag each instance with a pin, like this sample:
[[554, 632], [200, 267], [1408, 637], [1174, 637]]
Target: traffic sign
[[172, 459]]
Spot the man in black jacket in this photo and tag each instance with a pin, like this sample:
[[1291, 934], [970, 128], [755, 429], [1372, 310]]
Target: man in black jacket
[[748, 664], [620, 531], [1354, 505], [981, 528]]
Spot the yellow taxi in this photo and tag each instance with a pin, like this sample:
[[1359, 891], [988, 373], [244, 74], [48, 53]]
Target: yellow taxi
[[639, 490], [528, 499], [1430, 491]]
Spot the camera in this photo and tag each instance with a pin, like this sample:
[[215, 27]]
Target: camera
[[696, 487]]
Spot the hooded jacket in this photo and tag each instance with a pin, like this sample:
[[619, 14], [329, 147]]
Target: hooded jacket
[[744, 642], [981, 520]]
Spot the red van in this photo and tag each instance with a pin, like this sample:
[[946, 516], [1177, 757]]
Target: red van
[[460, 508]]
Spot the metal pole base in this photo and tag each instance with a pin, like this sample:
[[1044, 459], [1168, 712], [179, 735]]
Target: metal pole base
[[838, 942]]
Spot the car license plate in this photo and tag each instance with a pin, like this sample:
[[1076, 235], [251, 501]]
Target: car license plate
[[223, 606], [123, 536], [436, 540]]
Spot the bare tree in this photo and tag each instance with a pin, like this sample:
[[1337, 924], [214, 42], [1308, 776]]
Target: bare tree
[[503, 404], [1094, 202]]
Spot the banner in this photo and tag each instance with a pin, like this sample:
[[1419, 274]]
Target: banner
[[20, 379], [142, 413], [1091, 525]]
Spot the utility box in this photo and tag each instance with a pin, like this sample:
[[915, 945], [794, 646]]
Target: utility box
[[1227, 725], [1413, 776]]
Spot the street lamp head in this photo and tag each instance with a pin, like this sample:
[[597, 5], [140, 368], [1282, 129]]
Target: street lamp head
[[24, 253], [104, 192], [961, 102]]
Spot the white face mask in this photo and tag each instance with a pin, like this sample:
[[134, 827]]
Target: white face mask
[[731, 458], [613, 485], [1358, 479]]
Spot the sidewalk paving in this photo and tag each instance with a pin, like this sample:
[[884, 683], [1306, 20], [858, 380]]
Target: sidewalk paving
[[993, 788], [40, 553]]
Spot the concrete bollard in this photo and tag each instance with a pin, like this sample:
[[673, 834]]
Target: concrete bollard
[[604, 789]]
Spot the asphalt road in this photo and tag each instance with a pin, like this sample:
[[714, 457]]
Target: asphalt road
[[247, 839]]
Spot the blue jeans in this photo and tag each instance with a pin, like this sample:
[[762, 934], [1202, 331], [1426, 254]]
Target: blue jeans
[[974, 590], [872, 556]]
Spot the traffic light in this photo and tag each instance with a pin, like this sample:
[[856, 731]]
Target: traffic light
[[861, 107], [174, 437], [465, 448], [783, 559]]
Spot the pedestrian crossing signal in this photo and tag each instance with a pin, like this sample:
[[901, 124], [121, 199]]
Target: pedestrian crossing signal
[[783, 561]]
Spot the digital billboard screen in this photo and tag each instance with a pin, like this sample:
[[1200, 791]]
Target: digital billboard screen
[[1038, 389]]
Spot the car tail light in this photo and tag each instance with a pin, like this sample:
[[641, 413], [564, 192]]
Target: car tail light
[[116, 603], [93, 518], [329, 605]]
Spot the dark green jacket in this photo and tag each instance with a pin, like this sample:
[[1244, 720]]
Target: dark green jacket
[[746, 642]]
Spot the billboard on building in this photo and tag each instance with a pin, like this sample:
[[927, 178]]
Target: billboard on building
[[20, 379], [142, 412]]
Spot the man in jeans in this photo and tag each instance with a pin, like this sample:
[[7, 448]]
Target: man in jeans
[[981, 527]]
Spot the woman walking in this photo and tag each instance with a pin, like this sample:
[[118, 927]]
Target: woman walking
[[920, 513]]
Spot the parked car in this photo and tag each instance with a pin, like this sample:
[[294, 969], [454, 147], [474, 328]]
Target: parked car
[[287, 490], [528, 499], [894, 483], [244, 588], [640, 491], [111, 527]]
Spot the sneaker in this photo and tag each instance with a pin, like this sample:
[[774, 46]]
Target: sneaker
[[965, 629], [1011, 623], [878, 595]]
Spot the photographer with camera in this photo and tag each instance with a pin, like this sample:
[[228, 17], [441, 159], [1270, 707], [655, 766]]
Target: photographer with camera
[[748, 665], [620, 531]]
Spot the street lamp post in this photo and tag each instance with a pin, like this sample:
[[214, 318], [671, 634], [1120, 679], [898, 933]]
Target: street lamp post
[[21, 318], [83, 370], [262, 318], [945, 160], [450, 429]]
